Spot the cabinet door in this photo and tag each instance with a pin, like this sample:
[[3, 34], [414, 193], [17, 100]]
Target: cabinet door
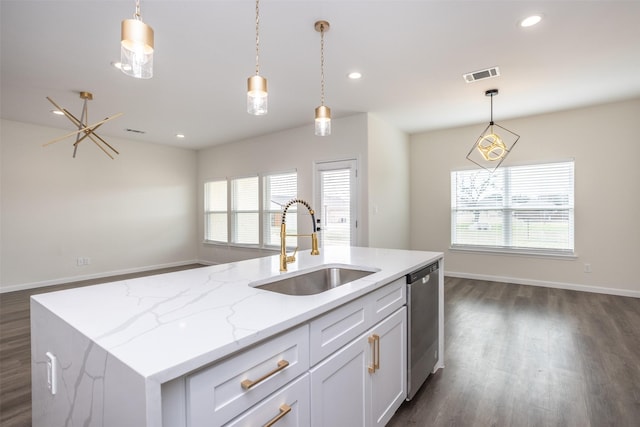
[[339, 388], [388, 382], [288, 407]]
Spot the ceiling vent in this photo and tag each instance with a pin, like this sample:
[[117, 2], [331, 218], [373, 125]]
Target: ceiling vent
[[481, 74], [135, 131]]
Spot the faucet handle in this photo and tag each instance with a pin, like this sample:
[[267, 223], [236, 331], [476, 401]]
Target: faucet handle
[[292, 258]]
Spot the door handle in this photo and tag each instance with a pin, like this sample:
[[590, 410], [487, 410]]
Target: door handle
[[374, 340]]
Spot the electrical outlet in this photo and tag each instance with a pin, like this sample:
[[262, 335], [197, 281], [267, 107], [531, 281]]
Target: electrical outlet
[[587, 268], [79, 261]]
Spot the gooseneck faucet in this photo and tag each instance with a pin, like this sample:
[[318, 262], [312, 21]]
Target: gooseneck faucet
[[284, 258]]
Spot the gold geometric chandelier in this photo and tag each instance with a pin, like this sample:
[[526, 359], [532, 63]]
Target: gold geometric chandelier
[[491, 148], [84, 130]]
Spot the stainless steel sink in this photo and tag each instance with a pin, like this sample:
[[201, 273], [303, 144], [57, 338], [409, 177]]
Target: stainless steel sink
[[316, 281]]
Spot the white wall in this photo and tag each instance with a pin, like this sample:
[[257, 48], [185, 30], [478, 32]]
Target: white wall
[[294, 149], [129, 214], [603, 140], [388, 185]]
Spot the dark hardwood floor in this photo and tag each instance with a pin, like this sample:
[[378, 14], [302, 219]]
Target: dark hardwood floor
[[529, 356], [515, 356]]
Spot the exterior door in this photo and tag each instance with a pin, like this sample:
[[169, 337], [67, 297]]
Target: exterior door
[[335, 204]]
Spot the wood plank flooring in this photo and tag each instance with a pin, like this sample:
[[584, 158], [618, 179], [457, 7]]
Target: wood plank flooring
[[515, 356], [15, 346], [529, 356]]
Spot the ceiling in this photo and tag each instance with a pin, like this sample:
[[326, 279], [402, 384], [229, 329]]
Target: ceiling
[[412, 55]]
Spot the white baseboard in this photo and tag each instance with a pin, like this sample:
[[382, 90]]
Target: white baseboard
[[546, 284], [58, 281]]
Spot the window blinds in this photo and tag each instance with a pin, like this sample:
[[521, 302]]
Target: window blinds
[[528, 208]]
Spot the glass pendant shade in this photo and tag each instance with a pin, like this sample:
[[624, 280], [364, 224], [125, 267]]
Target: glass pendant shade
[[257, 95], [323, 121], [136, 52]]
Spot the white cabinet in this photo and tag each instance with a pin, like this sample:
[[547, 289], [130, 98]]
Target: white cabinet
[[365, 382], [288, 407], [346, 367], [215, 395]]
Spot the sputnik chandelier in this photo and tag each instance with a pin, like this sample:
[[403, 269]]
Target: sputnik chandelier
[[84, 130], [491, 148]]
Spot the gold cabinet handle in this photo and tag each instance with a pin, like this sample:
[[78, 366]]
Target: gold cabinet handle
[[284, 410], [377, 338], [247, 384], [375, 353]]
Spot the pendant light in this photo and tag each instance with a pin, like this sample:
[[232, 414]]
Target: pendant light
[[492, 146], [257, 85], [136, 51], [323, 113]]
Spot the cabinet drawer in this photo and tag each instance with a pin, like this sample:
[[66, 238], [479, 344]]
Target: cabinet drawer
[[387, 299], [288, 407], [217, 394], [335, 329]]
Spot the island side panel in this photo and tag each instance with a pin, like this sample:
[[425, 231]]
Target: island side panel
[[93, 388]]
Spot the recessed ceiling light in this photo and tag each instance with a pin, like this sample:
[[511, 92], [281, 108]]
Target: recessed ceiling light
[[57, 112], [179, 135], [530, 21], [355, 75]]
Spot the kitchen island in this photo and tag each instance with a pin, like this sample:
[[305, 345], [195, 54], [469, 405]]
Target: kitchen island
[[129, 353]]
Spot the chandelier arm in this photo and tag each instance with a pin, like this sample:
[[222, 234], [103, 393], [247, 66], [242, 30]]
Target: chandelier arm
[[82, 130]]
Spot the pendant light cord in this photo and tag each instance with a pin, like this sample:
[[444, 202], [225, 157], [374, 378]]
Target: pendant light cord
[[137, 14], [491, 121], [321, 64], [257, 37]]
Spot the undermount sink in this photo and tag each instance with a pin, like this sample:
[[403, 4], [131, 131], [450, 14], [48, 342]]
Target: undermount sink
[[315, 282]]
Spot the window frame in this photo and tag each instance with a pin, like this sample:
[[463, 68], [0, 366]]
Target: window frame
[[506, 211], [231, 212]]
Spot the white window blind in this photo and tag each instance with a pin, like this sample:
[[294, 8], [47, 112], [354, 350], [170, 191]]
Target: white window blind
[[245, 211], [278, 190], [215, 207], [519, 208], [335, 191]]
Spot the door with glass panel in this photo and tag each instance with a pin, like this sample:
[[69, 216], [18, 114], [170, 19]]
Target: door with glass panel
[[335, 202]]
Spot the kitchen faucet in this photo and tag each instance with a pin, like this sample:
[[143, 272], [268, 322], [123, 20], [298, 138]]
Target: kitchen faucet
[[284, 258]]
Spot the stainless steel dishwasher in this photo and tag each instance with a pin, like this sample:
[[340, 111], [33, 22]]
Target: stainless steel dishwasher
[[422, 294]]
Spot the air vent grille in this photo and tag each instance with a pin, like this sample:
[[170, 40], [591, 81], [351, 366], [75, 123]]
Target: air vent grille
[[481, 74], [135, 131]]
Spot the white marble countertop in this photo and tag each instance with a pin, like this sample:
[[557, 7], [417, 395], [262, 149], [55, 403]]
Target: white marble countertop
[[167, 325]]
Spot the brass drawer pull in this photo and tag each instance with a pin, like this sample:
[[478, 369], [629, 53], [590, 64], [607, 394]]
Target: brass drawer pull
[[284, 410], [247, 384], [375, 353]]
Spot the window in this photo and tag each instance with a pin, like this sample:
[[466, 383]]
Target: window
[[520, 208], [215, 211], [245, 211], [278, 190], [239, 218]]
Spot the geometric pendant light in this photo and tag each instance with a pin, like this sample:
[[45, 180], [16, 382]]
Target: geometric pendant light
[[494, 143], [136, 47], [85, 130], [323, 113], [257, 94]]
